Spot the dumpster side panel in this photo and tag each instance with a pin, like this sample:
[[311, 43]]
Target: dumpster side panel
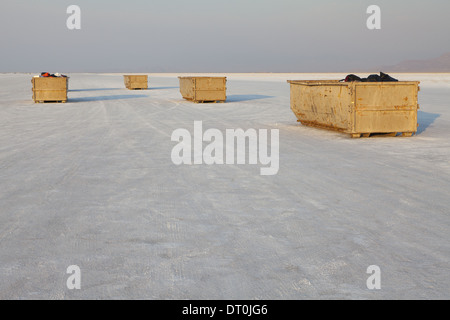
[[386, 96], [210, 95], [385, 121], [210, 89], [50, 83], [187, 88], [210, 84], [49, 89], [322, 105], [381, 108]]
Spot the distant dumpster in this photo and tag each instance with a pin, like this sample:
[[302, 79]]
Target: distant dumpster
[[204, 89], [50, 89], [136, 82], [357, 108]]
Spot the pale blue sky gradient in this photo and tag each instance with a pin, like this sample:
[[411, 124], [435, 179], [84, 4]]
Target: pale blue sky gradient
[[219, 36]]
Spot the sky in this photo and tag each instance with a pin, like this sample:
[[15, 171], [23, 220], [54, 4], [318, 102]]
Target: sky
[[219, 36]]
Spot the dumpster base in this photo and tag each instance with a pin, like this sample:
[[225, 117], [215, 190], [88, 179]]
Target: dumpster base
[[381, 134], [50, 101], [357, 135], [206, 101]]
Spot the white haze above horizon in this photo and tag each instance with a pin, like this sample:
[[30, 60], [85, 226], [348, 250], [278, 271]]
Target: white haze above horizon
[[219, 36]]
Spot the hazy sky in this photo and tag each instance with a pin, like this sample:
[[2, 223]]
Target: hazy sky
[[219, 36]]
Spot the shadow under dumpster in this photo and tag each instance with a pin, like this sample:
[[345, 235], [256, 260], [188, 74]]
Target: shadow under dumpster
[[106, 98], [246, 97], [94, 89], [162, 88], [425, 119]]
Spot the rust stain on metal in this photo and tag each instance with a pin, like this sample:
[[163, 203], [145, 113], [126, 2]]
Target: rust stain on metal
[[321, 125]]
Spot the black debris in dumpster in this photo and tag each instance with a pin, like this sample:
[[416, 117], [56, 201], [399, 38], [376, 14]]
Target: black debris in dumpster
[[383, 77]]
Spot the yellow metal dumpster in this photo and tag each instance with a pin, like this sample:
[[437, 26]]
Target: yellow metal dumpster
[[357, 108], [204, 89], [136, 82], [50, 89]]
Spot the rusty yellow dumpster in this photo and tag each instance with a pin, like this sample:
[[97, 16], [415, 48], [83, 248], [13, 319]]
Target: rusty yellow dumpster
[[203, 89], [357, 108]]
